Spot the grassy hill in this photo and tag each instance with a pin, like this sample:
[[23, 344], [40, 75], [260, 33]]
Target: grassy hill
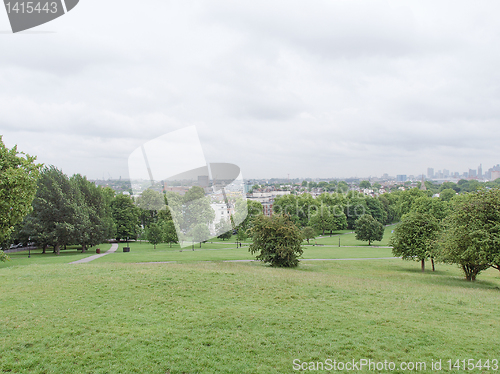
[[215, 317]]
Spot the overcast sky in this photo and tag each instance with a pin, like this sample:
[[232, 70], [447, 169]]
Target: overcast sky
[[306, 88]]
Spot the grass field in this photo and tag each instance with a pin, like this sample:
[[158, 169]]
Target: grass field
[[216, 317], [350, 239]]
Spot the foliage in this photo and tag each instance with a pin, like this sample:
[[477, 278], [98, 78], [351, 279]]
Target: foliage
[[447, 194], [126, 216], [278, 240], [355, 208], [56, 213], [200, 233], [368, 229], [170, 233], [407, 199], [308, 233], [365, 184], [196, 209], [472, 232], [224, 229], [438, 208], [328, 218], [155, 234], [18, 182], [415, 237]]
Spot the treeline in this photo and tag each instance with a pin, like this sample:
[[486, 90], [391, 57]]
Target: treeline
[[70, 210], [335, 211], [462, 230]]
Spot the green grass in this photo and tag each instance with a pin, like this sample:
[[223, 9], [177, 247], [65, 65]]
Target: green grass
[[216, 317], [69, 255], [350, 239]]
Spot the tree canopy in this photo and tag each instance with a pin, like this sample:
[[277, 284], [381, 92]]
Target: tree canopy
[[415, 237], [472, 232], [368, 229], [18, 180], [278, 240]]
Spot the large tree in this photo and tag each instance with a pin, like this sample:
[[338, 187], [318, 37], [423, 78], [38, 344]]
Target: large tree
[[126, 217], [472, 232], [155, 233], [56, 212], [368, 229], [278, 240], [329, 218], [18, 183], [415, 237], [170, 233], [308, 233]]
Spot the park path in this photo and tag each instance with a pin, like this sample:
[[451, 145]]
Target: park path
[[328, 259], [113, 249]]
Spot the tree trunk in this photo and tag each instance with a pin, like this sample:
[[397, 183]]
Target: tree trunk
[[369, 242], [200, 244], [432, 262], [423, 265], [84, 248], [470, 272], [44, 248], [154, 246], [323, 231], [57, 249]]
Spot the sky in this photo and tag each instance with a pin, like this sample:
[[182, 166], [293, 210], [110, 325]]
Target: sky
[[317, 89]]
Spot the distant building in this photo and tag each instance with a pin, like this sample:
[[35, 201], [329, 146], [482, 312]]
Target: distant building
[[401, 178], [480, 171], [472, 173], [495, 174], [430, 172]]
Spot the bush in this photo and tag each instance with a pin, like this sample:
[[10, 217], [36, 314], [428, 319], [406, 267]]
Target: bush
[[277, 239]]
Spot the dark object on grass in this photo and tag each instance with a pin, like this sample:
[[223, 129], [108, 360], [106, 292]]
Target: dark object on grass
[[126, 249], [98, 250]]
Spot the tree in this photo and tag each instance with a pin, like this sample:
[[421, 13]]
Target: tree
[[196, 210], [91, 221], [447, 194], [18, 182], [472, 232], [55, 210], [365, 184], [170, 232], [376, 209], [355, 208], [150, 203], [438, 208], [328, 218], [155, 234], [415, 237], [368, 229], [308, 233], [278, 240], [224, 229], [126, 217], [200, 233]]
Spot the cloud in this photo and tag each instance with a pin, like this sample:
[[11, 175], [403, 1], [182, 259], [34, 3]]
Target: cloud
[[321, 89]]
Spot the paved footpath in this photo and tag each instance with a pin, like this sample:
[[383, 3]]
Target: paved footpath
[[113, 249]]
